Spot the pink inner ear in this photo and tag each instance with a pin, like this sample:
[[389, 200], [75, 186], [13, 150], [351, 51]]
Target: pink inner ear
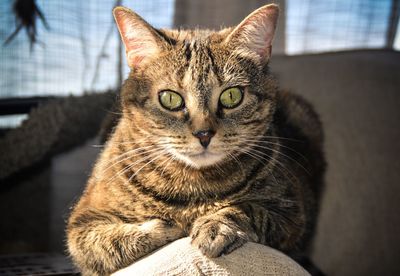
[[134, 61], [257, 30], [138, 40], [265, 52], [134, 48]]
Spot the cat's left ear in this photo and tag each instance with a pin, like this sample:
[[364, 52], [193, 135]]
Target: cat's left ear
[[253, 36], [141, 40]]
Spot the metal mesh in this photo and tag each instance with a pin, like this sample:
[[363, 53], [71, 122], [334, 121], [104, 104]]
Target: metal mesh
[[331, 25], [79, 52]]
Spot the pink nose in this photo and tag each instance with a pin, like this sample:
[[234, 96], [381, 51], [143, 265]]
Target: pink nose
[[204, 136]]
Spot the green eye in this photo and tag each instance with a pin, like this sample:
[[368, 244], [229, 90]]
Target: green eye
[[170, 100], [231, 97]]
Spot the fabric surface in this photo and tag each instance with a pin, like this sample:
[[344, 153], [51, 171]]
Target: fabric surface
[[357, 95], [53, 127], [180, 258]]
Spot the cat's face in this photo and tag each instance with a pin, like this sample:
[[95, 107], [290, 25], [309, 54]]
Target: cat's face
[[200, 96]]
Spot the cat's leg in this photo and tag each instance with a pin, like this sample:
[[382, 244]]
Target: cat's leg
[[222, 232], [229, 228], [101, 248]]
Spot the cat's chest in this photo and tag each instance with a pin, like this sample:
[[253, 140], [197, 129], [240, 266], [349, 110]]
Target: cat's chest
[[186, 215]]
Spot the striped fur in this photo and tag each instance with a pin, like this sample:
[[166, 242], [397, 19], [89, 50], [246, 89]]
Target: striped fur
[[142, 195]]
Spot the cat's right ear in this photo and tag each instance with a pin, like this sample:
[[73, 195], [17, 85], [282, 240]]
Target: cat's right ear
[[253, 36], [139, 37]]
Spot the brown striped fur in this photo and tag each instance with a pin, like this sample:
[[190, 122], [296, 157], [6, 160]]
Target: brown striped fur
[[140, 196]]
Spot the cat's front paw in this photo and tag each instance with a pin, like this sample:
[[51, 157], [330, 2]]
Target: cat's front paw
[[214, 238], [160, 229]]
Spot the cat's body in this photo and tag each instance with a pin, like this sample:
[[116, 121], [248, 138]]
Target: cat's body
[[255, 177]]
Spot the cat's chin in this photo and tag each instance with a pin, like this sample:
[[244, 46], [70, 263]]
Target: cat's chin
[[201, 160]]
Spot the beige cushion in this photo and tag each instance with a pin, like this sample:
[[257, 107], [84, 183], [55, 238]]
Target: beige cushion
[[180, 258]]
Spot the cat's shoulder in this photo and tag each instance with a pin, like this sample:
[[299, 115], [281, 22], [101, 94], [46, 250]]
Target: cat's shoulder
[[293, 109]]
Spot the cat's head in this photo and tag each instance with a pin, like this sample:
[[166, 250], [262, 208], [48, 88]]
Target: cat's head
[[201, 96]]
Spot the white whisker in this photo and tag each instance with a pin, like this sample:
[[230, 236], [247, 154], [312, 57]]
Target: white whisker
[[152, 160], [236, 160], [277, 161], [278, 144], [125, 169], [257, 156], [169, 162], [273, 137], [131, 155], [281, 153]]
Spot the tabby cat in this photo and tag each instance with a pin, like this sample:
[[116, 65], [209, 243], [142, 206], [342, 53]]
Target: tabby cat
[[207, 146]]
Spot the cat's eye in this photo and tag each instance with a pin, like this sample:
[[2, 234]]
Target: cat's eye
[[171, 100], [231, 97]]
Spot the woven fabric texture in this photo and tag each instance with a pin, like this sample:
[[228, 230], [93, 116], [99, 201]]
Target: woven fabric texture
[[180, 258]]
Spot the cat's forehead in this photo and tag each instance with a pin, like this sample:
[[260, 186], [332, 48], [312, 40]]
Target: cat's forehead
[[199, 72], [185, 36], [194, 73], [196, 67], [192, 57]]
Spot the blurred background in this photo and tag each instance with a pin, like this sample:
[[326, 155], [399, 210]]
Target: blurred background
[[61, 63]]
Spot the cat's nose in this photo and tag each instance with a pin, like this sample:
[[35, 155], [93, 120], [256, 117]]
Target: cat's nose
[[204, 136]]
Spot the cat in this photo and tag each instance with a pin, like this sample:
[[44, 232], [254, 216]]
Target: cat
[[207, 146]]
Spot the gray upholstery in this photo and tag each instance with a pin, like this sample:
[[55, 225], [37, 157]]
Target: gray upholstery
[[357, 95]]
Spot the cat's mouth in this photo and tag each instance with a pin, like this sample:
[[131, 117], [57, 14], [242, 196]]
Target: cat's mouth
[[203, 154], [201, 159], [206, 158]]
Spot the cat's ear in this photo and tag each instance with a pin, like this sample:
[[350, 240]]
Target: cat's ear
[[141, 40], [253, 36]]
